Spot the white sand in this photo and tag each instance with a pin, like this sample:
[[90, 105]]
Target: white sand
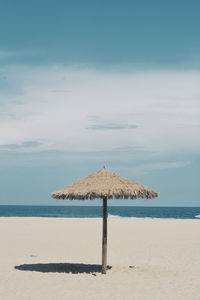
[[165, 253]]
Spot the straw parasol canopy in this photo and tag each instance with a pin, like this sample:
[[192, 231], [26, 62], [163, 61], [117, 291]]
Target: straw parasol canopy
[[104, 185]]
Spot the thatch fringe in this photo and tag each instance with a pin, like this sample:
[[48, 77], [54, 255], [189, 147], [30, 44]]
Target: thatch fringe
[[103, 184]]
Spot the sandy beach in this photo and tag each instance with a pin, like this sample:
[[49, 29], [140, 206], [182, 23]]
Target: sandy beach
[[54, 258]]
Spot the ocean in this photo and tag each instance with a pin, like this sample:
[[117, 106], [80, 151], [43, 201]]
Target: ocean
[[96, 211]]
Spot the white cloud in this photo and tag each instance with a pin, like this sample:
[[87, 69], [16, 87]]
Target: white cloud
[[164, 105], [146, 168]]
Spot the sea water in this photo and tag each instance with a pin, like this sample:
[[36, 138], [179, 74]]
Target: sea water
[[96, 211]]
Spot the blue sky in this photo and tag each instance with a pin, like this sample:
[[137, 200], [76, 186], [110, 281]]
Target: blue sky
[[85, 84]]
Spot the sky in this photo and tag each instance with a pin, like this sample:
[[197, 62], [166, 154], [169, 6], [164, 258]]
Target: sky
[[87, 84]]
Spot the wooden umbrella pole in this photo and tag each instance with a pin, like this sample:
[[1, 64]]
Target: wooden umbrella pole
[[104, 239]]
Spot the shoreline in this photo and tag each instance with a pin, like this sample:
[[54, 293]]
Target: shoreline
[[100, 218]]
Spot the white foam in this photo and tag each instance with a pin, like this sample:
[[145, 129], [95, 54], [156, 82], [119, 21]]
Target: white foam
[[113, 216], [197, 216]]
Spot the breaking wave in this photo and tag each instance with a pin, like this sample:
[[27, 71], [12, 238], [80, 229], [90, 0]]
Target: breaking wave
[[114, 216]]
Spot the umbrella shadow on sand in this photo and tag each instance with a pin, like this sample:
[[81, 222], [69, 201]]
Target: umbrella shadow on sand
[[73, 268]]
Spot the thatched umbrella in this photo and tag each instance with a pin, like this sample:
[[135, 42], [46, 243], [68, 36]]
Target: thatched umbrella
[[104, 185]]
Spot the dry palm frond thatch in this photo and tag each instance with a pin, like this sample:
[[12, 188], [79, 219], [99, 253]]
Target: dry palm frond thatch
[[103, 184]]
